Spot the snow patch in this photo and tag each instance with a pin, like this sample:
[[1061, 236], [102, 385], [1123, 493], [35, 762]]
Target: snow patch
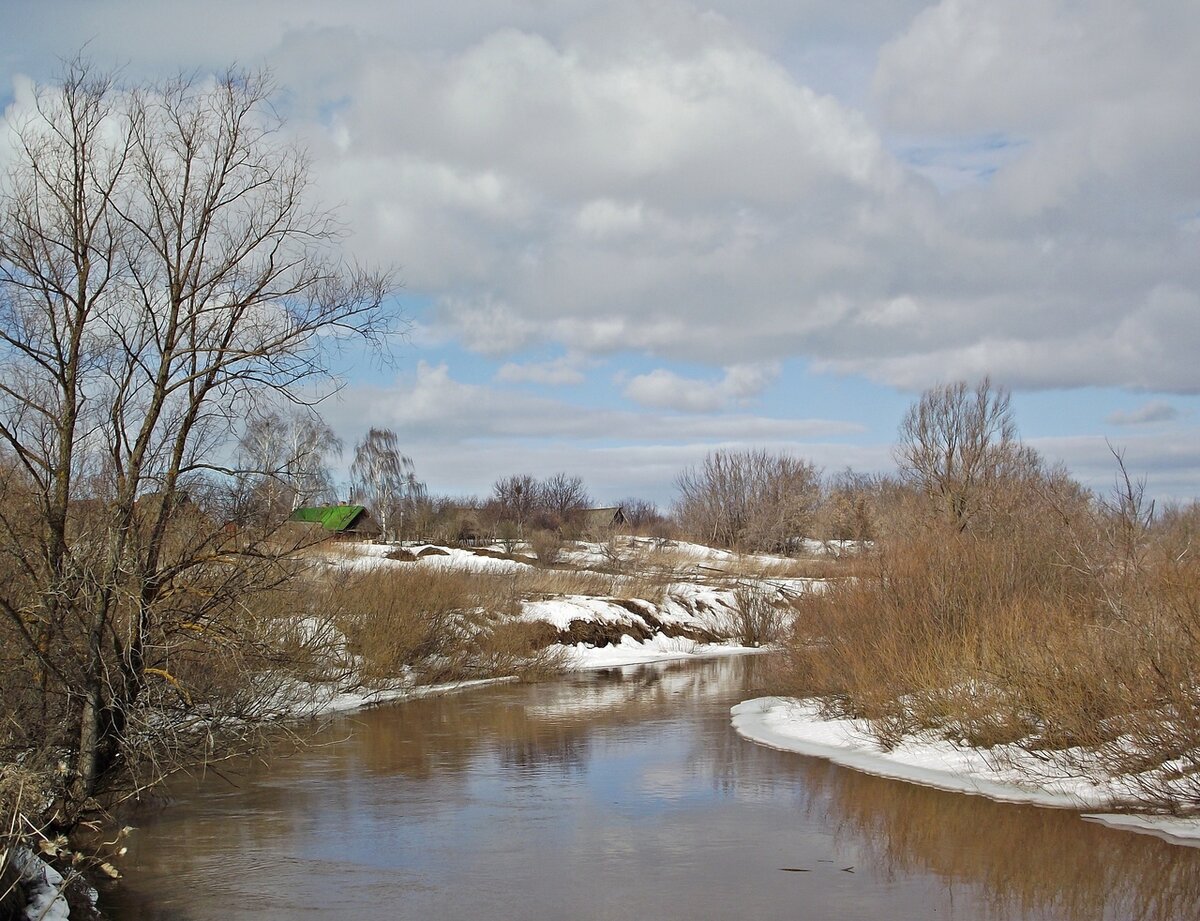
[[1175, 829], [659, 648], [44, 886], [345, 701]]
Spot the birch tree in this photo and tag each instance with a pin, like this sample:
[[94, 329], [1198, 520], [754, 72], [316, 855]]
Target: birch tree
[[384, 479], [285, 460]]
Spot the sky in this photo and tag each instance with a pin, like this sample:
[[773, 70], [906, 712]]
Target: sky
[[630, 233]]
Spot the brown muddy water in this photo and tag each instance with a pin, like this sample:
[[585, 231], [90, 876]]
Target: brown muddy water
[[614, 795]]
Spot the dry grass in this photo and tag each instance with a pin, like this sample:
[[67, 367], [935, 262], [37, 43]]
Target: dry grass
[[428, 623], [436, 625]]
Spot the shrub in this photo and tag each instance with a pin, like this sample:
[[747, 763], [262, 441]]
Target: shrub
[[760, 618], [547, 546], [1069, 628]]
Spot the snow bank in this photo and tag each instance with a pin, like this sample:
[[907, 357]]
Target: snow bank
[[345, 701], [560, 612], [1174, 829], [361, 557], [658, 648], [1001, 774]]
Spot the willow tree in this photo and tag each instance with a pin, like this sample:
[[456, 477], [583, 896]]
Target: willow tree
[[162, 271]]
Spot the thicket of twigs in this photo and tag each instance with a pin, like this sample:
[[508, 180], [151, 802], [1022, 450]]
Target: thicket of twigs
[[1010, 606]]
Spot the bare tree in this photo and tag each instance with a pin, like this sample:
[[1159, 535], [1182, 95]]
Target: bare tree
[[516, 498], [384, 478], [750, 499], [957, 444], [563, 500], [160, 271], [284, 460]]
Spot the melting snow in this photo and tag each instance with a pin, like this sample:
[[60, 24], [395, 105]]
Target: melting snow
[[797, 726]]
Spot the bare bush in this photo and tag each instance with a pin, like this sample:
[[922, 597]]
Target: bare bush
[[1039, 617], [521, 648], [760, 616], [849, 510], [547, 546], [429, 625], [748, 499]]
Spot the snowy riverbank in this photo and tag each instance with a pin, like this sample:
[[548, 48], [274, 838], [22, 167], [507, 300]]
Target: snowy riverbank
[[694, 611], [654, 602], [1002, 774]]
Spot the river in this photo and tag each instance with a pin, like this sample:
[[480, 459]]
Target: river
[[613, 795]]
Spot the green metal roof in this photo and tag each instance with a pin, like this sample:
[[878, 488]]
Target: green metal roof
[[330, 517]]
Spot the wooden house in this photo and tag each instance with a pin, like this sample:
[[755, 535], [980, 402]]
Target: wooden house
[[352, 522]]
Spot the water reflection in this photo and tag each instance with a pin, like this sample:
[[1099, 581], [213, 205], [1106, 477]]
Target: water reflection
[[1021, 859], [621, 794]]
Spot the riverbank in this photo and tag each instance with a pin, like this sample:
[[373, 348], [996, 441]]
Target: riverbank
[[1003, 773], [626, 602], [630, 601]]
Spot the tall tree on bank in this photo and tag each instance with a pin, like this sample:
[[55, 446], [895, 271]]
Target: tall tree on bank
[[384, 479], [161, 272], [958, 445], [754, 500]]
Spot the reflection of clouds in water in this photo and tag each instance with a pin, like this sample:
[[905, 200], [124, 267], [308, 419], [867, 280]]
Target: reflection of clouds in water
[[667, 781], [584, 702]]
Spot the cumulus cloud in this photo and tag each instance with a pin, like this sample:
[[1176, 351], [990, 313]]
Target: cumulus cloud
[[651, 177], [1017, 196], [663, 389], [558, 372], [657, 183]]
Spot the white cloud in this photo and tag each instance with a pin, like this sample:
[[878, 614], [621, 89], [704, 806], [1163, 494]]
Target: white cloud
[[656, 177], [487, 326], [463, 436], [1168, 461], [432, 404], [558, 372], [663, 389]]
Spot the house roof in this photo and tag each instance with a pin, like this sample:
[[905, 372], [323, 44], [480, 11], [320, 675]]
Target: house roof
[[603, 517], [330, 517]]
